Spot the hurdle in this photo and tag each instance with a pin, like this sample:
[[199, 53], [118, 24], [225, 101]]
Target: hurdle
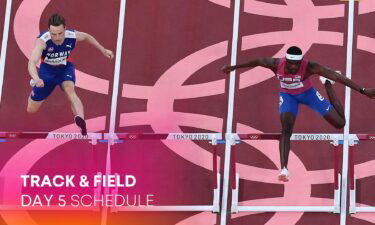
[[355, 139], [334, 139], [90, 137], [94, 137], [213, 138]]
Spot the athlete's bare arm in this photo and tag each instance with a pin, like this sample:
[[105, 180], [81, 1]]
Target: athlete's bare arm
[[270, 63], [316, 68], [82, 36], [33, 61]]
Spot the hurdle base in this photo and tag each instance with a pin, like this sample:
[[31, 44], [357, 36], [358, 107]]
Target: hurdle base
[[235, 208], [352, 198]]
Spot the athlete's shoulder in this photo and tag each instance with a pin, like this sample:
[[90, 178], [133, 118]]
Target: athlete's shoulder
[[314, 67], [45, 36], [311, 63], [70, 33]]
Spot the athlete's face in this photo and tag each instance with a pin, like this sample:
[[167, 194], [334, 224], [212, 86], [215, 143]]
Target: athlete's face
[[57, 34], [292, 66]]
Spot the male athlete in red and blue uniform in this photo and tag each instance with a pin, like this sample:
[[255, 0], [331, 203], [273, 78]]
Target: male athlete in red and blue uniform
[[53, 48], [293, 72]]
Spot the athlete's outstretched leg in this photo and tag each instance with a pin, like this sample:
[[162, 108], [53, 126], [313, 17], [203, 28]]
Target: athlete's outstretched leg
[[33, 106], [77, 106], [333, 98], [287, 123], [336, 116]]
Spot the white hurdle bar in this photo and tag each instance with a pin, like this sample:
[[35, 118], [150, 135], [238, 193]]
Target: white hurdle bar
[[94, 137], [355, 139], [334, 140], [212, 137]]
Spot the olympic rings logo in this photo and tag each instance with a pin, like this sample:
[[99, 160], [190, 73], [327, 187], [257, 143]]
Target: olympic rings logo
[[12, 135], [132, 136], [254, 137]]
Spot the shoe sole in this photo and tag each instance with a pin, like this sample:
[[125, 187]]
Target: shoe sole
[[283, 178], [324, 80], [81, 124]]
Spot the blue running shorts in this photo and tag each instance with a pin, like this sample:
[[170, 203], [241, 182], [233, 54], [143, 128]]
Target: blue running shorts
[[52, 76], [311, 98]]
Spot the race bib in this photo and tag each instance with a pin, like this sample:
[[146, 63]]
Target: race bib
[[291, 85], [55, 61]]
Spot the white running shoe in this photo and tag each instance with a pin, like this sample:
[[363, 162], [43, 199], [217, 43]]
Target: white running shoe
[[284, 175], [323, 80]]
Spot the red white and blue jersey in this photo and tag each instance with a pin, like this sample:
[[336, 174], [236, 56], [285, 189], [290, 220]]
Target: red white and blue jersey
[[56, 55], [293, 83]]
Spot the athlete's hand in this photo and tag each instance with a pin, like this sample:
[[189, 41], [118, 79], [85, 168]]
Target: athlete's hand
[[108, 53], [227, 69], [39, 83], [370, 92]]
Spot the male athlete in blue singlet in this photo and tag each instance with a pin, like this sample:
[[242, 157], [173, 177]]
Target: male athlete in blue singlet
[[293, 71], [53, 48]]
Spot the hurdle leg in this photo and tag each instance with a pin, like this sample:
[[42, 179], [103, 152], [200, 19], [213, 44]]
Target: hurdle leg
[[98, 191], [114, 192], [216, 179], [337, 179], [234, 180], [234, 208], [95, 163], [2, 184], [352, 192], [216, 201]]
